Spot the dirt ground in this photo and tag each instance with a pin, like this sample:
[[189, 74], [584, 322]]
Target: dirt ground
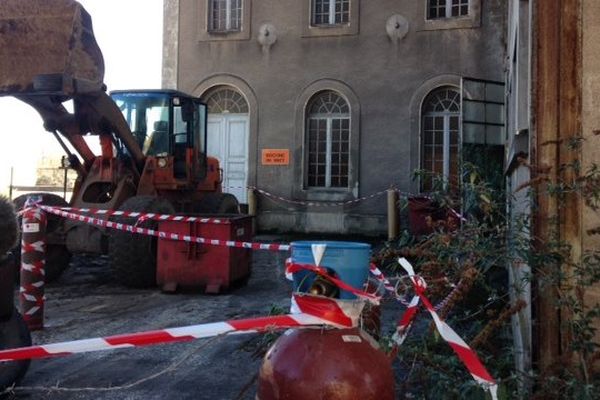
[[87, 303]]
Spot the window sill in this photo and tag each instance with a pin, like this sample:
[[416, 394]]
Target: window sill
[[326, 194], [330, 30], [223, 33], [330, 26], [216, 36], [450, 23]]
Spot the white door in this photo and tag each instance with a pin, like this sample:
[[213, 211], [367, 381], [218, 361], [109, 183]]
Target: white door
[[228, 142]]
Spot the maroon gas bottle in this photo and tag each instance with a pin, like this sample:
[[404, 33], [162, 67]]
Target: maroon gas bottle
[[325, 364]]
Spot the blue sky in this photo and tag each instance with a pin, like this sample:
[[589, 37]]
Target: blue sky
[[129, 33]]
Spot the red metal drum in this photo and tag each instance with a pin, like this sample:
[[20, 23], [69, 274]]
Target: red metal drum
[[330, 364]]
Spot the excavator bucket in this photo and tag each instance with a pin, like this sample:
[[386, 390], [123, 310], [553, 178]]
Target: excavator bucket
[[48, 46]]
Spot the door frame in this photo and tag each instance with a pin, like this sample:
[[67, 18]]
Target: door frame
[[224, 121], [206, 86]]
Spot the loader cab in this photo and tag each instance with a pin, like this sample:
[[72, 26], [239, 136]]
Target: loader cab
[[170, 128]]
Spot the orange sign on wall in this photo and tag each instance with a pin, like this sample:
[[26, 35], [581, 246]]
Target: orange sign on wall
[[275, 157]]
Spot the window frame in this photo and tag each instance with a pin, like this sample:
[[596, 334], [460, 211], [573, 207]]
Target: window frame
[[228, 17], [471, 20], [205, 23], [310, 29], [329, 155], [448, 10], [331, 13], [300, 154], [447, 115]]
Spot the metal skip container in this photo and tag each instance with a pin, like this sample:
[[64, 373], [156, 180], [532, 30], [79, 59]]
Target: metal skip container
[[193, 265]]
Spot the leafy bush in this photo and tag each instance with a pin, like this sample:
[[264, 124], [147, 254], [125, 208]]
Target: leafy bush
[[466, 267]]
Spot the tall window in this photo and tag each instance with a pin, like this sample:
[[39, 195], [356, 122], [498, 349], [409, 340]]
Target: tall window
[[226, 15], [330, 12], [441, 119], [328, 124], [447, 8]]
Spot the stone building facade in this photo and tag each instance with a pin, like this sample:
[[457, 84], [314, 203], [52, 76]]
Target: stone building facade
[[322, 102]]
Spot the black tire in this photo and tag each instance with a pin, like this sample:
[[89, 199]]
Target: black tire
[[57, 255], [132, 256], [13, 333], [219, 203]]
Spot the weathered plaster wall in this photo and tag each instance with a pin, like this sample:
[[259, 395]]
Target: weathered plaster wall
[[385, 77], [170, 43]]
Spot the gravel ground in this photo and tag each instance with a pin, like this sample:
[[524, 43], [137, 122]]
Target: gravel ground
[[87, 303]]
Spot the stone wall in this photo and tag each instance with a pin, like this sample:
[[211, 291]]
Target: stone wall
[[383, 74]]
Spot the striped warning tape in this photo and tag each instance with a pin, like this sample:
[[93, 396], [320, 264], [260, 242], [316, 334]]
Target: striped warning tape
[[167, 217], [387, 285], [163, 235], [146, 216], [64, 212], [462, 350], [395, 292], [292, 268], [315, 312]]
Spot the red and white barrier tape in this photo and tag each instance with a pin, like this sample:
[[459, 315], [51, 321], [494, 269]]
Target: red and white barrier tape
[[141, 217], [292, 267], [462, 350], [315, 312], [376, 272], [394, 291], [387, 285], [164, 235], [309, 305]]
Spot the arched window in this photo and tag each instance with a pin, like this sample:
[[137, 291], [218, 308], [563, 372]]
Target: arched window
[[328, 139], [225, 100], [439, 138]]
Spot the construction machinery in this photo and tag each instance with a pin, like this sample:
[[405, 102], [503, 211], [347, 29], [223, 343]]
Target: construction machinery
[[152, 142]]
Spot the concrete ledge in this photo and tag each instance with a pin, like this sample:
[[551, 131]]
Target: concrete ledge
[[325, 222]]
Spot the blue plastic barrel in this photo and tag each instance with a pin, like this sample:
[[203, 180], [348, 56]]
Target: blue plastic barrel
[[349, 261]]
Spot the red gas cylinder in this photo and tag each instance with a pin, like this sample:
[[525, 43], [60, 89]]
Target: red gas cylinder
[[327, 364]]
